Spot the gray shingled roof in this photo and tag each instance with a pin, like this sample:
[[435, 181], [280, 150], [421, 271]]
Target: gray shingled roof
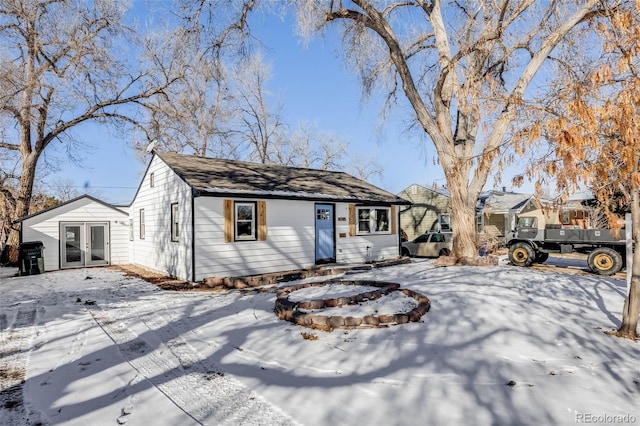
[[502, 202], [217, 176]]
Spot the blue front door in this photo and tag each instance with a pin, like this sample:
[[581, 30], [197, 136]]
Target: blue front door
[[325, 234]]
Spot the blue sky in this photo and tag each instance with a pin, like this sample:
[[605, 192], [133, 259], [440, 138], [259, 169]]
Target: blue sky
[[313, 85]]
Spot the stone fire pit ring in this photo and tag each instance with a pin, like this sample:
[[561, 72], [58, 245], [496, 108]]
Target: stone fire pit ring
[[295, 312]]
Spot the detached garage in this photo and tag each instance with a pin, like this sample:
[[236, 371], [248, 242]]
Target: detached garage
[[82, 232]]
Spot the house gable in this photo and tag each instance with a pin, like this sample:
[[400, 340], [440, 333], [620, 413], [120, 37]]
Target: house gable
[[425, 213], [44, 226]]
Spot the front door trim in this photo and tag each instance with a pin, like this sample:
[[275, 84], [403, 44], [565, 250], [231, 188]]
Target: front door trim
[[325, 238]]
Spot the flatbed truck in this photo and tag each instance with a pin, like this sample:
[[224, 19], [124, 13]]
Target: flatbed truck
[[533, 240]]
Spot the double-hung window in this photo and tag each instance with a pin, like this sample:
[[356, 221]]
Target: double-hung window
[[444, 220], [245, 220], [142, 224], [374, 220], [175, 233]]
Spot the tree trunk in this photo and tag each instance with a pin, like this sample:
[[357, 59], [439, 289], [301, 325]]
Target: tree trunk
[[23, 201], [631, 309], [463, 214]]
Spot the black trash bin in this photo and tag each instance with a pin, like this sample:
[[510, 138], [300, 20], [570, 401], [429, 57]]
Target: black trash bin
[[31, 258]]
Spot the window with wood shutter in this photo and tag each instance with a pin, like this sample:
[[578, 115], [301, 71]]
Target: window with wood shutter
[[393, 220], [262, 220], [245, 220], [373, 220], [228, 221], [352, 220]]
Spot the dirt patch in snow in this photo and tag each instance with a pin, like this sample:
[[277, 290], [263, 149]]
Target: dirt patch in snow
[[163, 281]]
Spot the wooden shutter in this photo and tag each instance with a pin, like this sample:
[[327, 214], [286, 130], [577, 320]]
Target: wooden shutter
[[228, 221], [352, 220], [393, 219], [262, 220]]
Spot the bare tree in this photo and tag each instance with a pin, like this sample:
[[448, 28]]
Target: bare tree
[[260, 124], [195, 113], [64, 190], [463, 67], [364, 167], [64, 64], [309, 147]]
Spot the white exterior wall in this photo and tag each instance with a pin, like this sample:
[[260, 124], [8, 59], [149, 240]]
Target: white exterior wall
[[362, 248], [45, 227], [156, 251], [290, 242]]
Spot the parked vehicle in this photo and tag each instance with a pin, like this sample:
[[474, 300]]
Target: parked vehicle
[[534, 238], [431, 244]]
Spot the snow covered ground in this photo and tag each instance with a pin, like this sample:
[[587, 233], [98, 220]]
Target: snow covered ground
[[500, 345]]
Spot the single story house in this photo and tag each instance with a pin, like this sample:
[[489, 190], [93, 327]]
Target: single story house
[[81, 232], [496, 211], [430, 210], [195, 218]]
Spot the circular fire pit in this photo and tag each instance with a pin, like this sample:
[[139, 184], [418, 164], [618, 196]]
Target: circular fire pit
[[309, 313]]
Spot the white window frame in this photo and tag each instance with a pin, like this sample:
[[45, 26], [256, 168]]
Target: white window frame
[[446, 222], [142, 224], [152, 180], [175, 222], [480, 222], [253, 221], [373, 221]]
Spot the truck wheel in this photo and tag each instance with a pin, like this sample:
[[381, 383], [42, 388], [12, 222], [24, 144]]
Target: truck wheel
[[541, 257], [521, 254], [605, 261]]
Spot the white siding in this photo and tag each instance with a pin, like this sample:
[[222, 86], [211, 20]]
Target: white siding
[[362, 248], [156, 251], [290, 240], [45, 227]]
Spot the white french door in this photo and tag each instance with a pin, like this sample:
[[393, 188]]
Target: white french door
[[84, 244]]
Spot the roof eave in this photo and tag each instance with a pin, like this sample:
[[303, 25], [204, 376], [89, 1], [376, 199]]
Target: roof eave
[[293, 196]]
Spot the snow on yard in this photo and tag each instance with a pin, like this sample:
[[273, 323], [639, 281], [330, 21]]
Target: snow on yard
[[500, 345]]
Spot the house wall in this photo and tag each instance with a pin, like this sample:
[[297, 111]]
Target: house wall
[[494, 225], [290, 242], [362, 248], [45, 227], [156, 251], [422, 215]]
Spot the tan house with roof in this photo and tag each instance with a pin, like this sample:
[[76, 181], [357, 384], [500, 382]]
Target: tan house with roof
[[429, 211]]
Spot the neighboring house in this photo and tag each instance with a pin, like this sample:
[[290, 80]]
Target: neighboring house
[[574, 214], [195, 218], [496, 211], [81, 232], [429, 211]]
